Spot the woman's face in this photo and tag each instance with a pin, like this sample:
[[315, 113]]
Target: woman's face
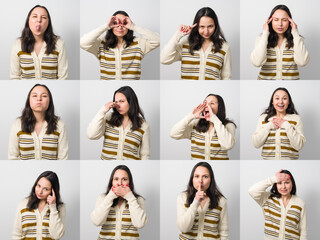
[[212, 102], [206, 27], [201, 177], [38, 21], [43, 188], [280, 101], [285, 187], [39, 99], [280, 21], [119, 30], [120, 177], [123, 105]]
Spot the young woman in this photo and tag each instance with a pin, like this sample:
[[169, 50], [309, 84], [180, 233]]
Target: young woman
[[126, 133], [280, 128], [202, 209], [210, 132], [120, 52], [38, 53], [205, 54], [119, 211], [284, 212], [280, 48], [42, 214], [38, 133]]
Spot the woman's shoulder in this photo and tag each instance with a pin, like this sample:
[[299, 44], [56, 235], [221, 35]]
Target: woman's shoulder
[[144, 125], [60, 125], [17, 45], [298, 201], [59, 44], [183, 196], [262, 117], [225, 46], [23, 203], [293, 117], [222, 201], [17, 124]]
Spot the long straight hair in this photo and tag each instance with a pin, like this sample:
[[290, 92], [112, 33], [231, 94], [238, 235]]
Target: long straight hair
[[28, 120], [271, 111], [28, 40], [273, 36], [203, 125], [195, 39], [212, 192], [274, 190], [52, 177], [131, 185], [111, 40]]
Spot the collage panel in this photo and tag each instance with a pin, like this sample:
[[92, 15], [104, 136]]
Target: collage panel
[[138, 218], [62, 143], [28, 185], [178, 101], [297, 140], [66, 57], [297, 62], [118, 142], [299, 217], [179, 220], [171, 39], [110, 64]]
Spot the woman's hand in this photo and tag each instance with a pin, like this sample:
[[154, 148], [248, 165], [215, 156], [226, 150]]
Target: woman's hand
[[208, 117], [198, 110], [113, 22], [282, 176], [121, 190], [185, 29], [51, 199], [277, 122], [200, 195], [127, 23], [293, 24], [110, 105], [266, 24]]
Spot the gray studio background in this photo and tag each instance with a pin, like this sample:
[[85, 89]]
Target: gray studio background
[[304, 173], [65, 21], [175, 13], [94, 180], [13, 95], [174, 180], [143, 13], [253, 16], [17, 179], [95, 94], [255, 97], [178, 100]]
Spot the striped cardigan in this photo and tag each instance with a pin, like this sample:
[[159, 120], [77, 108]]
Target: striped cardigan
[[281, 223], [30, 146], [281, 143], [195, 222], [279, 63], [42, 66], [33, 225], [119, 143], [206, 146], [119, 222], [123, 63], [202, 65]]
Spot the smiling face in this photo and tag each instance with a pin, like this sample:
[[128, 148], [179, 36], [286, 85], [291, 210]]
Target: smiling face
[[212, 102], [284, 188], [206, 27], [280, 101], [119, 30], [123, 105], [43, 188], [120, 177], [39, 99], [201, 177], [38, 21], [280, 21]]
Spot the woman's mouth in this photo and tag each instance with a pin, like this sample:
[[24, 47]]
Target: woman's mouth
[[38, 27]]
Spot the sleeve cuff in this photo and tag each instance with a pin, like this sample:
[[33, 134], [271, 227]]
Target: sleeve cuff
[[129, 196]]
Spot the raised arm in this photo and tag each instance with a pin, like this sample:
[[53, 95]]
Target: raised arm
[[102, 208]]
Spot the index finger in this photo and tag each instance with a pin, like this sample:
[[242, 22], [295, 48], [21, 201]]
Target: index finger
[[53, 194], [199, 188], [290, 19], [194, 25], [269, 20]]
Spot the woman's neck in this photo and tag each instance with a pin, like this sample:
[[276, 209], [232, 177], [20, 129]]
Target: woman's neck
[[281, 115], [40, 116], [120, 42], [38, 39]]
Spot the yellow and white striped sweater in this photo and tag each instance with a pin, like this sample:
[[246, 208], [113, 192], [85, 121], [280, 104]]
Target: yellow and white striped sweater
[[282, 143], [33, 225], [119, 222], [212, 145], [281, 223], [123, 63], [119, 143], [202, 65], [279, 63], [30, 146], [198, 223], [42, 66]]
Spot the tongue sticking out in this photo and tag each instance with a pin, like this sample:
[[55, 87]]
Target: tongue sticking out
[[38, 28]]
